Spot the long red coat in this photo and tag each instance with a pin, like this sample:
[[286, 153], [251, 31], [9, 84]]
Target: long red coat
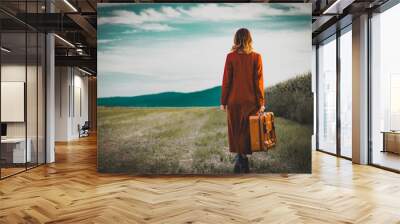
[[243, 93]]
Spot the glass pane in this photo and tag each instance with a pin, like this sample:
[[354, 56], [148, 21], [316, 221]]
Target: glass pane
[[327, 97], [386, 89], [346, 94], [31, 85], [31, 100], [41, 99], [23, 90], [13, 86]]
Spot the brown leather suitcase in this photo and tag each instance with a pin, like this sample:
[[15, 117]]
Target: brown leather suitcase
[[262, 132]]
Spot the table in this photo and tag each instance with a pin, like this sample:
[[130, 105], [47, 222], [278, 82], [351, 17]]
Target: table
[[17, 152], [391, 141]]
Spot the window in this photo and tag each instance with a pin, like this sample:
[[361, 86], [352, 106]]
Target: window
[[346, 93], [327, 96], [385, 89], [394, 102]]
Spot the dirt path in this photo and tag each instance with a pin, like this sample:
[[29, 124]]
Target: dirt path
[[187, 141]]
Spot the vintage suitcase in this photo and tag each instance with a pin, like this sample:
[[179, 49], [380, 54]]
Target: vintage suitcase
[[262, 132]]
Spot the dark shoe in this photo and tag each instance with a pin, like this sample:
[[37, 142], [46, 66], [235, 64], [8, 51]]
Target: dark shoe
[[245, 165], [238, 164]]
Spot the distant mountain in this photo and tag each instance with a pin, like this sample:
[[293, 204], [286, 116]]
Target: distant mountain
[[203, 98]]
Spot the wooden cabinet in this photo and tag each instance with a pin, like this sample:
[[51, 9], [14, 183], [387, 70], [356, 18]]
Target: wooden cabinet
[[391, 142]]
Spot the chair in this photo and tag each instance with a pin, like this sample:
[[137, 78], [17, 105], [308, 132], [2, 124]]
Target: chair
[[84, 130]]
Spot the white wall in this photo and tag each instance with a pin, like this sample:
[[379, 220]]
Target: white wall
[[79, 117], [62, 82], [14, 72], [360, 90], [17, 73], [70, 84], [50, 93]]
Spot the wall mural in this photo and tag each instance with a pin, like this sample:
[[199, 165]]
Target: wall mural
[[177, 84]]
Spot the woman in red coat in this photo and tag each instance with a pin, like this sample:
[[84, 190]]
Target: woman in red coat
[[242, 95]]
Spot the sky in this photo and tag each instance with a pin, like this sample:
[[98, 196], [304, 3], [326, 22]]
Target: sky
[[182, 47]]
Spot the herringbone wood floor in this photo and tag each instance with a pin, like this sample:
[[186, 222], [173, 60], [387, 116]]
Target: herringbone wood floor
[[71, 191]]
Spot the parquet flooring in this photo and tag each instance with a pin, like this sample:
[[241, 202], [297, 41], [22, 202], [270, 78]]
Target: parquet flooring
[[71, 191], [8, 171]]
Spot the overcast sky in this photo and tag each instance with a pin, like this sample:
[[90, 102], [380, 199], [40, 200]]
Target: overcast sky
[[152, 48]]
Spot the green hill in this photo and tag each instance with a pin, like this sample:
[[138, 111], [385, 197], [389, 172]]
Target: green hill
[[203, 98], [291, 99]]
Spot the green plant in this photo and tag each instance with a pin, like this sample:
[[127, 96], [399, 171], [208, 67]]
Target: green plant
[[292, 99]]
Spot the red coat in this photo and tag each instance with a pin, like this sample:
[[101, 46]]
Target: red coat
[[243, 93]]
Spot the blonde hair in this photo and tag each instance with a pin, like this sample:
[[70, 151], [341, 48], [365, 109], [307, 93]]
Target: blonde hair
[[242, 41]]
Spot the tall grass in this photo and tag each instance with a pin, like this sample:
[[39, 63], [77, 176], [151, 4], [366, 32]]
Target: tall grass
[[189, 141], [292, 99]]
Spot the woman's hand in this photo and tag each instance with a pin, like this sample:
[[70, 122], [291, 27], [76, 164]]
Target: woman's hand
[[223, 107], [262, 109]]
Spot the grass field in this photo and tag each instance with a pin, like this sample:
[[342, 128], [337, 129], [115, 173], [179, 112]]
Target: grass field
[[189, 141]]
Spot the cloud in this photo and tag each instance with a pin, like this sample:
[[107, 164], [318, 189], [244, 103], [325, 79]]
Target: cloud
[[194, 59], [126, 17], [197, 63], [146, 20], [284, 7], [129, 31], [156, 27], [121, 17], [233, 12], [106, 41], [204, 12], [170, 12]]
